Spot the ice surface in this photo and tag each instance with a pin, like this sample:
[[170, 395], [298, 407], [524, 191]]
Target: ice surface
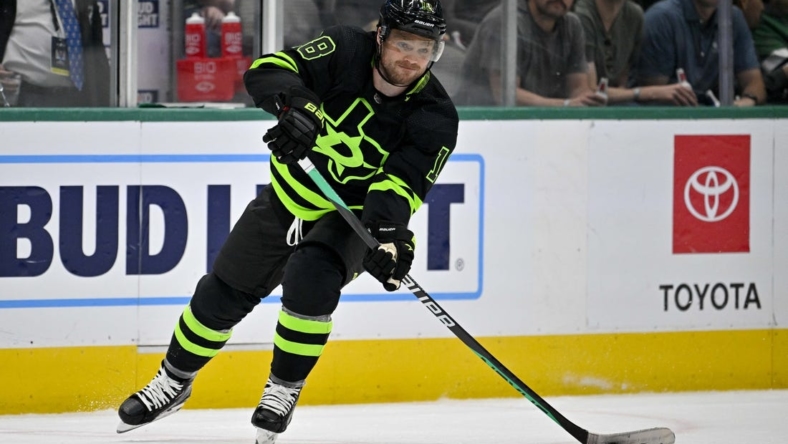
[[742, 417]]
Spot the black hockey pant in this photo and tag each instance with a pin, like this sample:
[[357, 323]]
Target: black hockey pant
[[254, 260]]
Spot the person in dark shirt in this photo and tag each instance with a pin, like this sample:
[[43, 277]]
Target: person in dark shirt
[[613, 33], [366, 110], [683, 34], [551, 65], [464, 16]]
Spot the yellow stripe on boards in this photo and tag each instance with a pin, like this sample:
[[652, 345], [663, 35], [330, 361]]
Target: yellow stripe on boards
[[53, 380], [780, 359], [69, 379]]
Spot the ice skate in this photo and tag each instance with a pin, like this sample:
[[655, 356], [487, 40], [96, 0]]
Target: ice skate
[[265, 437], [162, 397], [273, 414]]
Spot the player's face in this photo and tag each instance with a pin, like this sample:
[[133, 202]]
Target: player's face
[[404, 57]]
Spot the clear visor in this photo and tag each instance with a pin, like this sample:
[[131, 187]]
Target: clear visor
[[420, 49]]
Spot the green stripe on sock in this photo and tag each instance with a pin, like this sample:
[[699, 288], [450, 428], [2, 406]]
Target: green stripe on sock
[[296, 348], [304, 325], [202, 331], [192, 347]]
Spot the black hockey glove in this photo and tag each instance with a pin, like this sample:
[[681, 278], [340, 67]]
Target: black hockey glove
[[300, 122], [391, 261]]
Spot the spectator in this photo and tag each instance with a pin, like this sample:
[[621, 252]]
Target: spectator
[[752, 10], [645, 4], [449, 70], [302, 21], [464, 16], [613, 34], [356, 12], [683, 34], [56, 47], [771, 45], [551, 65]]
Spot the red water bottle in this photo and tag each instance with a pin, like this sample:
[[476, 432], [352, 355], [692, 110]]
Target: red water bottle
[[232, 37], [195, 36]]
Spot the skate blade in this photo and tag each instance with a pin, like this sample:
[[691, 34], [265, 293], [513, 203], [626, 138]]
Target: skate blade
[[123, 427], [265, 437]]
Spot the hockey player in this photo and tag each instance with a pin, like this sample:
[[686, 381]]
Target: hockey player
[[366, 110]]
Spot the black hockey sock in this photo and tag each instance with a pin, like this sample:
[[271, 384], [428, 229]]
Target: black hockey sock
[[298, 343], [206, 324], [193, 344]]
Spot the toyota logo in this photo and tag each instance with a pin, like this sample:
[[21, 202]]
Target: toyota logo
[[711, 182]]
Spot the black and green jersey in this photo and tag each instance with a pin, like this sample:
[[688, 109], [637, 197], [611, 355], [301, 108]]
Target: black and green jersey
[[380, 154]]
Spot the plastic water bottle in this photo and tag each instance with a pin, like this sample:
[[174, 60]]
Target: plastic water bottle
[[195, 36], [713, 98], [232, 36], [682, 79], [601, 88]]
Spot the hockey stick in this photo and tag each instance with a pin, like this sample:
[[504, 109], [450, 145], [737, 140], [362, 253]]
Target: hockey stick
[[659, 435]]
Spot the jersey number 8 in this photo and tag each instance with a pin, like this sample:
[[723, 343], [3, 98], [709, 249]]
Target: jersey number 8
[[321, 46]]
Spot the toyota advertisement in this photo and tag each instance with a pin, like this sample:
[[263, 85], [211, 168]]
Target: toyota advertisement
[[680, 227]]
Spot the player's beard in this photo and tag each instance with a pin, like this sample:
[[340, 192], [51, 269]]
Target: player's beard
[[397, 75]]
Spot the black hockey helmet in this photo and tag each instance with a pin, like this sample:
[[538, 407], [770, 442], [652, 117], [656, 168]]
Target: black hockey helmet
[[421, 17]]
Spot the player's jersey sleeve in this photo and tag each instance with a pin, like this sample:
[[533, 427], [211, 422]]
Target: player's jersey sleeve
[[312, 65], [401, 184]]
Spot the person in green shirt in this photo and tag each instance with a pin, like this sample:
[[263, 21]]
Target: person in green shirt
[[771, 44]]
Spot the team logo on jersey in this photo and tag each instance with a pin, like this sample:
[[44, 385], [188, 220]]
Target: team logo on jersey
[[354, 156]]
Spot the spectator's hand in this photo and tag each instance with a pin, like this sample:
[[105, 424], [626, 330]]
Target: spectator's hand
[[225, 5], [588, 99], [213, 17], [9, 80], [745, 102], [4, 73], [674, 94]]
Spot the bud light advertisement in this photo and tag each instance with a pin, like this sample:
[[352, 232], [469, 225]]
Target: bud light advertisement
[[128, 229]]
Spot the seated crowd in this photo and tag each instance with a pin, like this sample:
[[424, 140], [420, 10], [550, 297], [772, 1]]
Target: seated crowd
[[606, 52], [569, 52]]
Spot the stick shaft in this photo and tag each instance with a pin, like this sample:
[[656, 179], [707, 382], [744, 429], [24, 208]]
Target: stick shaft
[[576, 431]]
